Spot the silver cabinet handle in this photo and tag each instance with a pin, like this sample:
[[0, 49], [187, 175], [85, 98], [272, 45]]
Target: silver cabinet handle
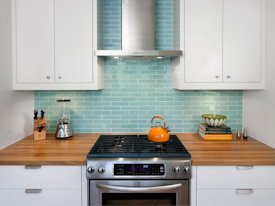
[[140, 189], [244, 191], [217, 76], [249, 167], [48, 77], [33, 167], [228, 76], [33, 191]]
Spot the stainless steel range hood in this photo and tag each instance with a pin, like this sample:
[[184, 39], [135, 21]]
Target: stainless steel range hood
[[138, 32]]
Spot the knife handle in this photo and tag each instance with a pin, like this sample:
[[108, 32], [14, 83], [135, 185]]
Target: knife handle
[[35, 112], [42, 114]]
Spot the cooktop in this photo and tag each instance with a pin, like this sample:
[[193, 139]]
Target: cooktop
[[137, 146]]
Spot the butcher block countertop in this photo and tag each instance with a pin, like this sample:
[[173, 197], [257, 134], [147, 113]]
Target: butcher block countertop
[[73, 151]]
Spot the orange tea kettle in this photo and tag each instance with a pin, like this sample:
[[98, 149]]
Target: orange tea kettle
[[159, 130]]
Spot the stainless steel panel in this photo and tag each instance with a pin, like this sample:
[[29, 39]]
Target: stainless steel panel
[[138, 24], [108, 165]]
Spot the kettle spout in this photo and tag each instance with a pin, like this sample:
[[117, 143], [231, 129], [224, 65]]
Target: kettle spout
[[165, 127]]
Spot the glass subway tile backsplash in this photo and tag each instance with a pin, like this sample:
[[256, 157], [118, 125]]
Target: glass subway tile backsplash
[[136, 90]]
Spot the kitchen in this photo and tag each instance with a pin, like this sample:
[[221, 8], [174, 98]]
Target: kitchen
[[135, 90]]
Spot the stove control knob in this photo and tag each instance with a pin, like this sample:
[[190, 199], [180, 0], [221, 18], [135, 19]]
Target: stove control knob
[[91, 170], [186, 169], [177, 169], [101, 170]]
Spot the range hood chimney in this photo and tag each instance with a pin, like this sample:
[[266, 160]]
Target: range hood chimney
[[138, 32]]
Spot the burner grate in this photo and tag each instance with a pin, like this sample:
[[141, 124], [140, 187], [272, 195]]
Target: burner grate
[[109, 146], [170, 149], [115, 146]]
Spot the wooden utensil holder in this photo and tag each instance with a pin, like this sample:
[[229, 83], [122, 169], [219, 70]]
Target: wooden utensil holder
[[39, 135]]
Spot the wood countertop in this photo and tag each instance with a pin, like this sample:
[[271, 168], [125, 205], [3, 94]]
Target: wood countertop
[[235, 152], [73, 151]]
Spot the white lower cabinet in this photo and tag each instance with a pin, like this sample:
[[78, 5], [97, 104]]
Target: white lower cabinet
[[40, 197], [40, 185], [235, 197], [235, 185]]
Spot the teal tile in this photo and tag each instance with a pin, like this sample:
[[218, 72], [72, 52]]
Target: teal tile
[[136, 90]]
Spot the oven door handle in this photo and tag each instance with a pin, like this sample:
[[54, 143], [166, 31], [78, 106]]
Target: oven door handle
[[139, 189]]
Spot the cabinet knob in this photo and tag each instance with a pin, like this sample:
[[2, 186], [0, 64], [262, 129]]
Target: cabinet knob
[[217, 76], [228, 76], [48, 77], [59, 77]]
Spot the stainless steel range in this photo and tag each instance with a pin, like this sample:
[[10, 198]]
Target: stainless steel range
[[131, 170]]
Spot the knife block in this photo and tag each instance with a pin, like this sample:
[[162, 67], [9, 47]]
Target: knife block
[[39, 135]]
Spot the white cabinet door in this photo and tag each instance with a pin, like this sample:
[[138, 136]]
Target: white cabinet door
[[40, 197], [235, 185], [43, 186], [235, 197], [242, 40], [34, 41], [54, 177], [203, 41], [73, 41], [236, 177]]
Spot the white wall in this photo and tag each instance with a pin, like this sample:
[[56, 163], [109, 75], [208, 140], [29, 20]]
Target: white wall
[[16, 108], [259, 106]]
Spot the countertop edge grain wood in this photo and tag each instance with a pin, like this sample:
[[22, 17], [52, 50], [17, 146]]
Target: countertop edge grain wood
[[73, 151]]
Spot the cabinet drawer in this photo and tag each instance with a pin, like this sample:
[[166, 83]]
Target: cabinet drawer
[[229, 197], [236, 177], [45, 197], [58, 177]]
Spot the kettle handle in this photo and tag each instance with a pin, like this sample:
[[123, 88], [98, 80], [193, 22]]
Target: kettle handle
[[156, 117], [160, 117]]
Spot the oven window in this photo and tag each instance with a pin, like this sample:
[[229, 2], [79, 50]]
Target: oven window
[[143, 199]]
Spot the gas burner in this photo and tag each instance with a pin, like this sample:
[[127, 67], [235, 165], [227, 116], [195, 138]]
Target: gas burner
[[160, 148], [118, 149]]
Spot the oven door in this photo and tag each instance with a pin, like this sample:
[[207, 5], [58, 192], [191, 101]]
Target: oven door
[[138, 192]]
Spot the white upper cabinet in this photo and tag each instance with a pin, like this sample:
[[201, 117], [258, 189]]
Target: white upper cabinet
[[53, 45], [223, 44]]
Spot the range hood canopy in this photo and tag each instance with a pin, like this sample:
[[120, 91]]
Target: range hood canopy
[[138, 32]]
